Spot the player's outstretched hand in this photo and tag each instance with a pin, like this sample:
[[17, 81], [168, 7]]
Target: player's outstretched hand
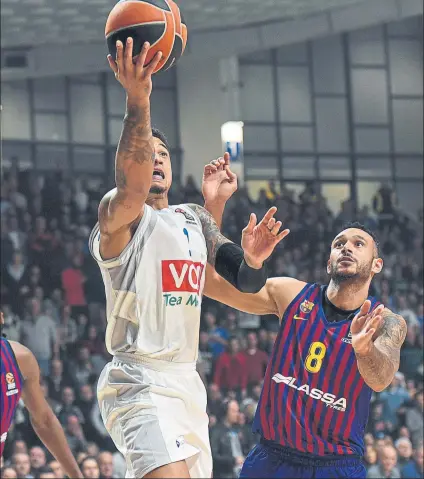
[[219, 182], [364, 325], [259, 240], [131, 73]]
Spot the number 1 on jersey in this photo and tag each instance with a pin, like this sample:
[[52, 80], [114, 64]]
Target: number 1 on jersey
[[315, 356]]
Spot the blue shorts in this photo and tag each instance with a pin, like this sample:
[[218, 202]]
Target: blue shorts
[[270, 461]]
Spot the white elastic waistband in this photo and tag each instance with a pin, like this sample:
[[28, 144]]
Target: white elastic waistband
[[155, 364]]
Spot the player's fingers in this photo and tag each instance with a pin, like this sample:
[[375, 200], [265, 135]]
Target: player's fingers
[[153, 64], [270, 213], [119, 55], [210, 168], [282, 235], [227, 158], [112, 64], [252, 223], [358, 322], [365, 308], [276, 228], [128, 54], [232, 176], [374, 322], [369, 334], [141, 59], [271, 223], [378, 310]]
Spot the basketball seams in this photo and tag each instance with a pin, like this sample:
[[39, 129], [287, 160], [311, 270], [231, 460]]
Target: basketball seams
[[138, 25]]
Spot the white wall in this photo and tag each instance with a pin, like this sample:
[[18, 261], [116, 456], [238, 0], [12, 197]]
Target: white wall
[[202, 111]]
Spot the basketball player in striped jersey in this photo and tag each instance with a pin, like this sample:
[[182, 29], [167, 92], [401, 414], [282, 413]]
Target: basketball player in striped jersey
[[153, 257], [335, 346], [20, 377]]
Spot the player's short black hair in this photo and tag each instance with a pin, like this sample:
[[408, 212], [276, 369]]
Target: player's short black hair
[[161, 136], [359, 226]]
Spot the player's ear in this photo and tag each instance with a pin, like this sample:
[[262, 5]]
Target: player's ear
[[377, 265], [328, 266]]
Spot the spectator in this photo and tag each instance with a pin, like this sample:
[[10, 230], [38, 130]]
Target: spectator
[[73, 284], [415, 469], [37, 458], [392, 398], [40, 336], [56, 381], [22, 465], [404, 450], [370, 456], [105, 461], [12, 325], [218, 337], [386, 466], [82, 369], [226, 448], [68, 331], [57, 469], [45, 473], [255, 361], [414, 419], [230, 373], [75, 435], [407, 313], [68, 407], [90, 468], [8, 473]]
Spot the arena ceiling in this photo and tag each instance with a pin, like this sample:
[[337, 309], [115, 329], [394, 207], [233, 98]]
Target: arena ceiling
[[37, 22]]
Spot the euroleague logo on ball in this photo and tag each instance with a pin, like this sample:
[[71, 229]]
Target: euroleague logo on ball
[[158, 22]]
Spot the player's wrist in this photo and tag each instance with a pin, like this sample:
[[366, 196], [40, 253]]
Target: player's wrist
[[363, 351], [137, 99], [252, 262]]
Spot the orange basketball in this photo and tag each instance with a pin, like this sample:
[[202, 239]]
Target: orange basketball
[[158, 22]]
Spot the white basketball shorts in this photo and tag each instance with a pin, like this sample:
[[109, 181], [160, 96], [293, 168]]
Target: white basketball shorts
[[155, 412]]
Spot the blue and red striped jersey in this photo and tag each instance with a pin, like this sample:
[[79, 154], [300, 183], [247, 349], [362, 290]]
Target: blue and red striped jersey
[[314, 399], [11, 383]]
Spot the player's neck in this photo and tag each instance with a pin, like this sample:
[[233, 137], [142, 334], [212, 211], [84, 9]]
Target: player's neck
[[158, 201], [347, 296]]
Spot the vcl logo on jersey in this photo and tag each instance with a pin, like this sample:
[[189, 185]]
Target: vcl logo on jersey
[[330, 400], [181, 276]]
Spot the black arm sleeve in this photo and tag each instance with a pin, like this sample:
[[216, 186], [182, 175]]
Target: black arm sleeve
[[230, 264]]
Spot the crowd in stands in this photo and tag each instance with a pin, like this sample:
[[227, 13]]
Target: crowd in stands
[[52, 296]]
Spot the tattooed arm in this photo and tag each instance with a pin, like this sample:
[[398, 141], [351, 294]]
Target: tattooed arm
[[213, 237], [122, 208], [379, 365]]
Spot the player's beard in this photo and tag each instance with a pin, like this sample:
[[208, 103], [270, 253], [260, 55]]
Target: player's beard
[[361, 274], [157, 190]]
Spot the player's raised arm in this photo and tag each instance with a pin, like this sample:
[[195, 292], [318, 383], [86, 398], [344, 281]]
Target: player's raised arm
[[43, 419], [243, 267], [135, 155], [377, 337]]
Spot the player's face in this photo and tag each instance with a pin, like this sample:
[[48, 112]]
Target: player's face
[[353, 256], [162, 172]]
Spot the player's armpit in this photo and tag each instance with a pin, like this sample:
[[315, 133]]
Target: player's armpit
[[273, 298], [379, 367]]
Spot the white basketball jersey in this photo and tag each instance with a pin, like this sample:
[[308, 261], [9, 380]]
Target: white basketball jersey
[[154, 288]]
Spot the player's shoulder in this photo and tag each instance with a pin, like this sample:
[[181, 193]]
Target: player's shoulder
[[25, 358], [283, 290]]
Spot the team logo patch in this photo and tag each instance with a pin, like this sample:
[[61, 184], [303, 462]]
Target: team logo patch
[[306, 307], [348, 338], [11, 385], [190, 218], [10, 378]]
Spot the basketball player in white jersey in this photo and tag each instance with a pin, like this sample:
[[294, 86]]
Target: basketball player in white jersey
[[153, 258]]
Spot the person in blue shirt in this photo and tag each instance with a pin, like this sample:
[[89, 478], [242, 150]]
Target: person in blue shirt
[[414, 469]]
